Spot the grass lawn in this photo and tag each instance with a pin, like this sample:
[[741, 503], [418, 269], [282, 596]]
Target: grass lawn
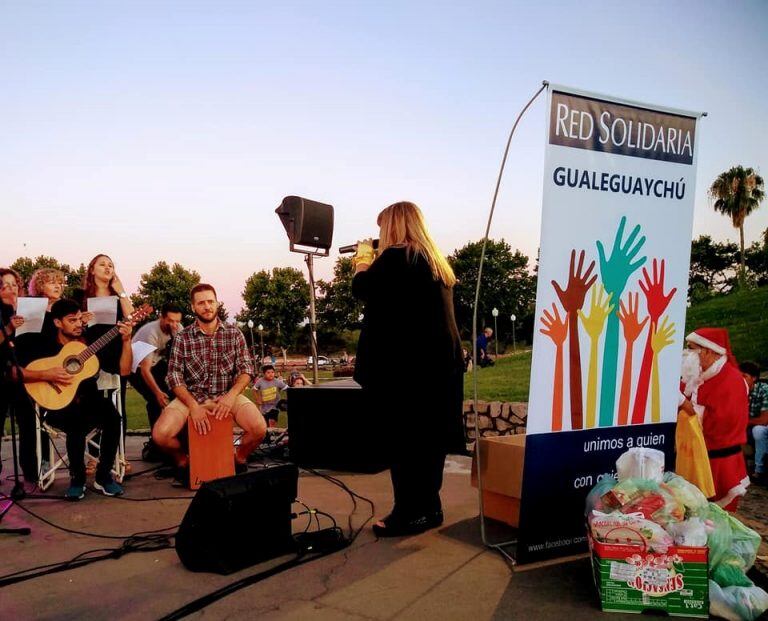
[[507, 380]]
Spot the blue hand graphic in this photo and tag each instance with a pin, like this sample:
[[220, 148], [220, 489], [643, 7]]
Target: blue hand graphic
[[615, 272]]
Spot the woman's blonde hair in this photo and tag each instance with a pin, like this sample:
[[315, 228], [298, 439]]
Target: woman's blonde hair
[[402, 224], [42, 276]]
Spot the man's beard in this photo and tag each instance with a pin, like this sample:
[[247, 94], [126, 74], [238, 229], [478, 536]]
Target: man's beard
[[202, 319], [691, 371]]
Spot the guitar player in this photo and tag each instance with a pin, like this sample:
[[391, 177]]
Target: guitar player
[[89, 409]]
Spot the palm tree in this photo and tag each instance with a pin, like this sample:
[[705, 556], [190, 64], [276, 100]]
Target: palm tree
[[737, 193]]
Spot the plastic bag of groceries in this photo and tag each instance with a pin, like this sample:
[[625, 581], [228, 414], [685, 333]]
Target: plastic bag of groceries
[[694, 501], [632, 528], [690, 532], [736, 603], [641, 463], [732, 549], [595, 496]]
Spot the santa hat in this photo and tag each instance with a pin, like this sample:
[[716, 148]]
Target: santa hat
[[714, 339]]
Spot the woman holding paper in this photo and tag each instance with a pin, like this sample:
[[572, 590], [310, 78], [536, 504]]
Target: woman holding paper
[[47, 283], [11, 393], [101, 281], [103, 289]]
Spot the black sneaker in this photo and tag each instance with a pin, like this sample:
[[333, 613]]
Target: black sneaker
[[181, 478]]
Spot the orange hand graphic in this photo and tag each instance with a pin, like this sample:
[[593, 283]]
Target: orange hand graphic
[[632, 328], [556, 328]]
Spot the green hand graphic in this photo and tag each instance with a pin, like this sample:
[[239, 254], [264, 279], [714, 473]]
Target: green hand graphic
[[615, 272]]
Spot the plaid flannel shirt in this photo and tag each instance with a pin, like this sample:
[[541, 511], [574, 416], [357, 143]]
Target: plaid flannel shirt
[[207, 366], [758, 399]]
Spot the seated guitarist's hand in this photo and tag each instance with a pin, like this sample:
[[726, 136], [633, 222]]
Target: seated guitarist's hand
[[199, 416], [223, 407], [125, 328], [57, 375]]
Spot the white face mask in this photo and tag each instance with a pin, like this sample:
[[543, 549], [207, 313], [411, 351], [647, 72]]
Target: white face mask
[[691, 370]]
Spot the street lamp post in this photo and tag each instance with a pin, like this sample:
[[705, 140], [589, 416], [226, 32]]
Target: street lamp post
[[253, 343], [261, 338], [514, 345], [495, 313]]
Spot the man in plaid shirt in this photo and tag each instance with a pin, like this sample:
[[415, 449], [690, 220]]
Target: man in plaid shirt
[[208, 370], [758, 416]]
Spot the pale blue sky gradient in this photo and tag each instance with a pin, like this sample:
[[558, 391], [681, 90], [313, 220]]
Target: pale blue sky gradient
[[172, 130]]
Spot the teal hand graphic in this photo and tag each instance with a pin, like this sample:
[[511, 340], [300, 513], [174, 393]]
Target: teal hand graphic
[[615, 272]]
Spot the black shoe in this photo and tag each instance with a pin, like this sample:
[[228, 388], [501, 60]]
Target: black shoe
[[181, 478], [398, 527]]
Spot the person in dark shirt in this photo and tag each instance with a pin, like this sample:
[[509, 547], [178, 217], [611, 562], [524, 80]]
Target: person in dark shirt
[[484, 360], [408, 290], [89, 408]]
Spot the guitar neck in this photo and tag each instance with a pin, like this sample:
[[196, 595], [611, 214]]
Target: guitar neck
[[98, 344]]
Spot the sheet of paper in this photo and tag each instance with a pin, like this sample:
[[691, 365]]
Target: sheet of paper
[[140, 351], [33, 311], [104, 310]]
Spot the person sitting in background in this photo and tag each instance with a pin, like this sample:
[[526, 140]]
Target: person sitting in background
[[266, 392], [149, 378], [484, 360], [297, 380], [758, 417]]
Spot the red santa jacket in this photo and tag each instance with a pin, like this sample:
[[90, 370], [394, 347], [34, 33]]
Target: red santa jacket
[[726, 408]]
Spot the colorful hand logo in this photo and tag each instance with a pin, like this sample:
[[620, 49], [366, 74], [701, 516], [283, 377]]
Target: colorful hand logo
[[661, 339], [655, 299], [556, 328], [656, 302], [599, 310], [615, 271], [632, 328], [572, 299]]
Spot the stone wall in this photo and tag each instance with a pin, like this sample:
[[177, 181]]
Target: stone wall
[[495, 418]]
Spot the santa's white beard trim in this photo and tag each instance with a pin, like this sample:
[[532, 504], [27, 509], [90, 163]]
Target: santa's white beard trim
[[734, 492], [690, 372]]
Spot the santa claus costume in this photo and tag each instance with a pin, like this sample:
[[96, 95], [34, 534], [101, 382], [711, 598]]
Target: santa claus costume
[[720, 397]]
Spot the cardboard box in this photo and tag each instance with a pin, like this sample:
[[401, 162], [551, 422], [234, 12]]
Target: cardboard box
[[501, 467], [629, 579]]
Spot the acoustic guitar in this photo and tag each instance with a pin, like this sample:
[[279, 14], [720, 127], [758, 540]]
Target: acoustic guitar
[[77, 359]]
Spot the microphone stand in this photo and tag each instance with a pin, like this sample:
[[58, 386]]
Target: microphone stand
[[18, 492]]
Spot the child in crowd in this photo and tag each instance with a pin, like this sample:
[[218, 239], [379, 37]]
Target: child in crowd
[[267, 394]]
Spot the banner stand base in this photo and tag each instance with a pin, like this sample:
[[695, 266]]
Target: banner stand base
[[549, 563]]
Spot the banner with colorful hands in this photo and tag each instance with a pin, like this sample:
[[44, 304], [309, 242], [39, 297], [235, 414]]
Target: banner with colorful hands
[[617, 217]]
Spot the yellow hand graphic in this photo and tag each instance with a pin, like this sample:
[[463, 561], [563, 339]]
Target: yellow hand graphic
[[663, 336], [660, 339], [594, 323], [599, 309]]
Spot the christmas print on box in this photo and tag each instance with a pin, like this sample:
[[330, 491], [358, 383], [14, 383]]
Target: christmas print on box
[[628, 579]]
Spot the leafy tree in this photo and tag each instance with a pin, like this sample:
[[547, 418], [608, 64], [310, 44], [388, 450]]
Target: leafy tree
[[757, 260], [737, 193], [279, 300], [26, 266], [337, 308], [167, 284], [507, 285], [713, 268]]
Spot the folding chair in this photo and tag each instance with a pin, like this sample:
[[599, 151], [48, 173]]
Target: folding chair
[[58, 458]]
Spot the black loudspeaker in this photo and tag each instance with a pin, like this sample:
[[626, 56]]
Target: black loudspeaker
[[239, 521], [307, 223], [330, 426]]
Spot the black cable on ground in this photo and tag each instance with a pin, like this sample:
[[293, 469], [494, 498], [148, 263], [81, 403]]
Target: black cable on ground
[[148, 543], [210, 598]]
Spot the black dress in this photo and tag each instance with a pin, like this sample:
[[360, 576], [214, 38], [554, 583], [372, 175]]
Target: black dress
[[409, 362]]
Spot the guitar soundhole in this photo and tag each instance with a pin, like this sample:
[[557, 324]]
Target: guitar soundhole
[[72, 365]]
